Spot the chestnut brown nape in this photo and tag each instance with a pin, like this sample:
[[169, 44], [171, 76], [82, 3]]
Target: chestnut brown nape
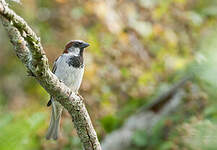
[[76, 43]]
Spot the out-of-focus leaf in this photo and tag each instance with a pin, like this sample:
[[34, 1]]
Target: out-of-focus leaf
[[15, 134], [166, 145], [109, 123]]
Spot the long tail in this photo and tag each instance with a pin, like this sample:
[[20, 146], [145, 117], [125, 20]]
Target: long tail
[[53, 129]]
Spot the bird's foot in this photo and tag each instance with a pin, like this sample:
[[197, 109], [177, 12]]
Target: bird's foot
[[75, 95], [79, 96]]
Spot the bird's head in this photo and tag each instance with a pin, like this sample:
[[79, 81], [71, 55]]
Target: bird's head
[[76, 47]]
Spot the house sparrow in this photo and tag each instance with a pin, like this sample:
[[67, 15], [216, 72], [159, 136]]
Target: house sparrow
[[69, 68]]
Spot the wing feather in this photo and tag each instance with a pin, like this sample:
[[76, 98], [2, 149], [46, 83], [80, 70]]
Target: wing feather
[[55, 65], [53, 70]]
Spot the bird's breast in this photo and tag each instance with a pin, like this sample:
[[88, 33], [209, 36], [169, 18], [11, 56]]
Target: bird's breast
[[70, 70]]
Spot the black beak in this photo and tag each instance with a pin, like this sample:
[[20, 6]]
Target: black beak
[[84, 45]]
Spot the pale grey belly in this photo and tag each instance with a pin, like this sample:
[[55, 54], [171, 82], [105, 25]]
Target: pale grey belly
[[71, 76]]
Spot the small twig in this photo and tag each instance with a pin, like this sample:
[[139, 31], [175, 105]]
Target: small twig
[[157, 104]]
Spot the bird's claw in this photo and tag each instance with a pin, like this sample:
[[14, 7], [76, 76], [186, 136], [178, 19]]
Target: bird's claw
[[74, 95], [79, 96]]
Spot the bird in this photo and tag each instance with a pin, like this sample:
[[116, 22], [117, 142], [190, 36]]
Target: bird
[[69, 69]]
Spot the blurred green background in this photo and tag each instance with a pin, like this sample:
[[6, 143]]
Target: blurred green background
[[139, 48]]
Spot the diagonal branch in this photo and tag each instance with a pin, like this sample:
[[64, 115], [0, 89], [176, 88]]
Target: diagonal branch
[[146, 117], [30, 51]]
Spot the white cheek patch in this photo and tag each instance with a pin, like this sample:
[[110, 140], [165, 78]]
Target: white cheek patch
[[74, 51], [77, 51]]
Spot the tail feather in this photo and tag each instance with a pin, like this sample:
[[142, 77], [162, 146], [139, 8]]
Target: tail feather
[[53, 129]]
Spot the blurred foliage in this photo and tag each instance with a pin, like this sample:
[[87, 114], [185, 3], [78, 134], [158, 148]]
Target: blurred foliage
[[18, 132], [138, 49]]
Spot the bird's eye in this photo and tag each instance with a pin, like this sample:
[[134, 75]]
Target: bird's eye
[[76, 44]]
